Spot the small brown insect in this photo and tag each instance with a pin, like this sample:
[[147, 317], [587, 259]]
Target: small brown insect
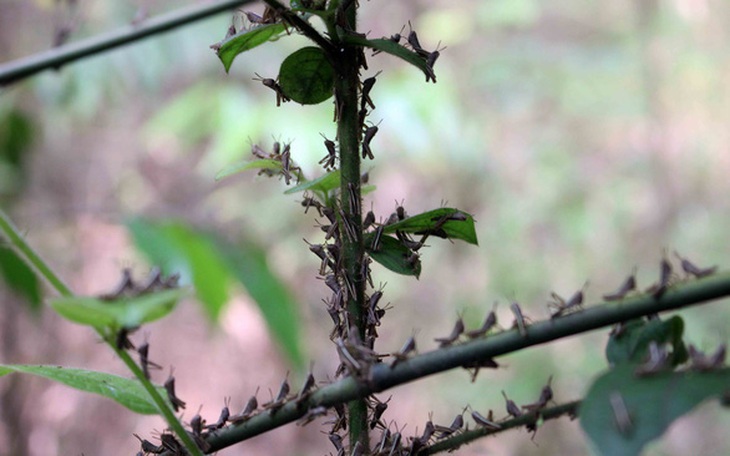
[[223, 417], [620, 413], [488, 363], [375, 245], [456, 425], [562, 306], [312, 414], [169, 385], [378, 410], [368, 220], [367, 138], [273, 85], [454, 336], [484, 422], [330, 160], [337, 442], [693, 270], [125, 285], [665, 279], [367, 86], [703, 363], [144, 361], [627, 286], [247, 411], [512, 408], [149, 447], [658, 361], [546, 395], [519, 319], [488, 324], [401, 355]]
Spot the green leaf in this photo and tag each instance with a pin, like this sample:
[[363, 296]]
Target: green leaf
[[265, 163], [229, 48], [176, 244], [437, 223], [121, 313], [631, 346], [307, 76], [392, 48], [651, 403], [129, 393], [248, 264], [20, 277], [393, 255], [322, 184]]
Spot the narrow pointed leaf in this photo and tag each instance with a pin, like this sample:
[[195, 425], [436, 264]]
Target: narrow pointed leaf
[[393, 255], [265, 163], [648, 405], [177, 246], [438, 223], [121, 313], [126, 392], [241, 42], [307, 76], [392, 48], [20, 277], [321, 184]]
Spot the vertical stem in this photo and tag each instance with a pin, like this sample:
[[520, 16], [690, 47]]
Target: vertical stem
[[349, 133]]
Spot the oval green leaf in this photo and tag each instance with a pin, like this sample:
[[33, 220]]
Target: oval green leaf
[[444, 222], [121, 313], [393, 255], [126, 392], [651, 404], [229, 48], [307, 76], [632, 344], [265, 163]]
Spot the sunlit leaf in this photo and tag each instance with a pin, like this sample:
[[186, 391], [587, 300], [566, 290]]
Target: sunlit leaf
[[126, 392], [176, 245], [444, 222], [265, 163], [248, 264], [20, 277], [622, 412], [307, 76], [121, 313], [322, 184], [392, 48], [393, 255], [229, 48], [631, 345]]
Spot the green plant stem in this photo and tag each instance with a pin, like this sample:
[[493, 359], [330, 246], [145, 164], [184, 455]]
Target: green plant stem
[[462, 438], [33, 260], [492, 346], [12, 234], [55, 58], [347, 85]]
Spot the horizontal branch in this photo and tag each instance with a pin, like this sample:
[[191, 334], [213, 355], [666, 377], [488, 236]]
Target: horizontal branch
[[462, 438], [16, 70], [443, 359]]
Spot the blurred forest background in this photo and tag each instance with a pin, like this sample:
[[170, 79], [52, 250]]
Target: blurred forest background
[[584, 136]]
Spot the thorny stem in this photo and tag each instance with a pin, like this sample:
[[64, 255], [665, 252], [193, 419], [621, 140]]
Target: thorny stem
[[55, 58], [347, 84], [443, 359], [550, 413], [32, 259]]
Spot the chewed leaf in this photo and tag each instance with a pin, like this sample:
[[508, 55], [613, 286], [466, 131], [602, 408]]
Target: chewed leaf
[[322, 184], [622, 413], [127, 392], [307, 76], [236, 168], [229, 48], [393, 255], [395, 49], [444, 222], [122, 313]]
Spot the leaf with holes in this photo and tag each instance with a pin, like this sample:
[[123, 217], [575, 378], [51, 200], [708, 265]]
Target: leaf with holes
[[393, 255], [444, 222], [127, 392], [307, 76]]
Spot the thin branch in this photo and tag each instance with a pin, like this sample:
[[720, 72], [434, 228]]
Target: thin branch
[[440, 360], [16, 70], [551, 413], [301, 25]]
